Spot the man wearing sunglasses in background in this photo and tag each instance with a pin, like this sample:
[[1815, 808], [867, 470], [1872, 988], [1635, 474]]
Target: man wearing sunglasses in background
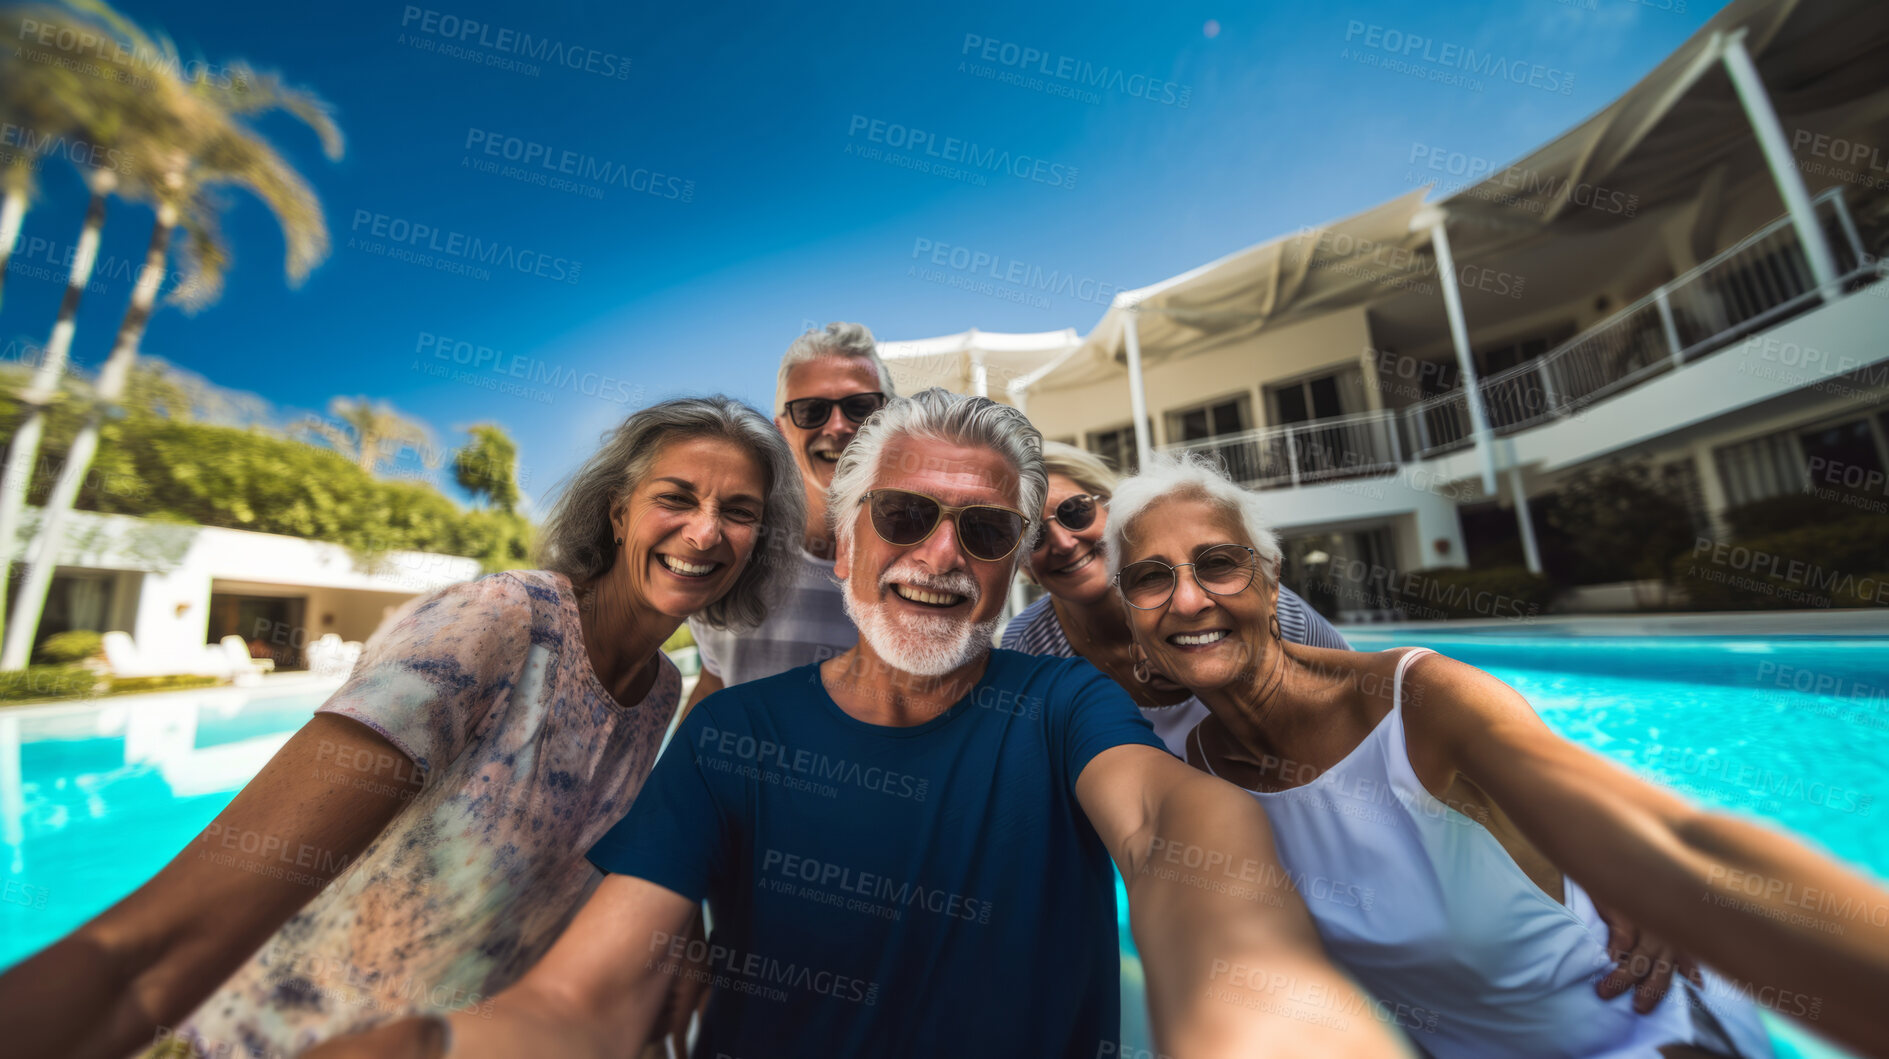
[[830, 382], [906, 849]]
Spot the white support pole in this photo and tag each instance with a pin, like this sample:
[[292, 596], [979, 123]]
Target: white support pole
[[1465, 360], [1777, 155], [1531, 552], [980, 374], [1137, 395]]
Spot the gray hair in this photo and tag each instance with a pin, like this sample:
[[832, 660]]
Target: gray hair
[[578, 541], [837, 340], [1080, 466], [1194, 476], [941, 416]]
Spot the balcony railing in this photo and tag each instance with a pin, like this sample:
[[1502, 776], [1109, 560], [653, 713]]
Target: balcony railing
[[1745, 289]]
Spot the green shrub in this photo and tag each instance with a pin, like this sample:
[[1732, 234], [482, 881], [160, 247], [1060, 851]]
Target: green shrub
[[132, 685], [679, 639], [68, 647], [1492, 594], [1616, 522], [1830, 565], [46, 682]]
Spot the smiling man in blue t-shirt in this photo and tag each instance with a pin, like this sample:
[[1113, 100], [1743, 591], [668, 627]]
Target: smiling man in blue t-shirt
[[906, 849]]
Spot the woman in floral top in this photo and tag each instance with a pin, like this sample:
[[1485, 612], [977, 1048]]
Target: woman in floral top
[[418, 844]]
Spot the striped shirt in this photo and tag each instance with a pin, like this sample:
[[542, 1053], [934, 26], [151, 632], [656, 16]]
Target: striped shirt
[[808, 624], [1036, 631]]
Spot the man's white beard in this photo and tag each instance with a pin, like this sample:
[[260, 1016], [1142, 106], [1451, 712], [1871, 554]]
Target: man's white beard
[[923, 645]]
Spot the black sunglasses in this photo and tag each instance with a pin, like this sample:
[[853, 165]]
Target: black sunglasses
[[1075, 513], [906, 519], [811, 413]]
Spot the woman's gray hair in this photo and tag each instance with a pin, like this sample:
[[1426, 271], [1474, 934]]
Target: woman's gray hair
[[837, 340], [949, 418], [1193, 476], [1080, 466], [579, 542]]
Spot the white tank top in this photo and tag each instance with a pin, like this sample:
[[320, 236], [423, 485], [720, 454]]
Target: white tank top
[[1430, 914]]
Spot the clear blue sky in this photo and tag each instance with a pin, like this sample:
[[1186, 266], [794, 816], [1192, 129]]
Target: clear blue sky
[[732, 212]]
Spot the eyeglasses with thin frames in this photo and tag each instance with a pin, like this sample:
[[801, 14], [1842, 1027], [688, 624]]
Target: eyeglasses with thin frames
[[1223, 570]]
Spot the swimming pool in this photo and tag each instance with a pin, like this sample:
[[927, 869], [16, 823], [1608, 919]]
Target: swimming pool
[[1794, 730]]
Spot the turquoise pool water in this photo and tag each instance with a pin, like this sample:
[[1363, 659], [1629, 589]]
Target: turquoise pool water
[[1795, 731]]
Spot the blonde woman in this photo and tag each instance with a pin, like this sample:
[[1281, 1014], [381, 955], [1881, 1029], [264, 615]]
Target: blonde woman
[[1079, 614]]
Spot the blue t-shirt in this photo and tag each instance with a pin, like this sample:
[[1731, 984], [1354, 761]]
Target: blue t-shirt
[[933, 890]]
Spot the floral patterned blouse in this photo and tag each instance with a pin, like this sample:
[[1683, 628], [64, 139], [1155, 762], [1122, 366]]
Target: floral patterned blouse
[[524, 761]]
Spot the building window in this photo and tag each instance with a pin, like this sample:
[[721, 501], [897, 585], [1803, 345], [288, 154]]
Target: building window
[[1215, 419], [1760, 469], [1842, 455], [1117, 446], [1319, 397]]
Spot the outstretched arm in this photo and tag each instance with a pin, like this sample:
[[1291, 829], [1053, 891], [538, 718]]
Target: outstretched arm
[[119, 981], [594, 995], [1750, 901], [1235, 967]]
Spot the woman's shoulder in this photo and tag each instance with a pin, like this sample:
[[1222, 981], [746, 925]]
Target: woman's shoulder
[[1035, 631]]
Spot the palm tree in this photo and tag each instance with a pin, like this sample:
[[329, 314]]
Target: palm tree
[[110, 114], [368, 430], [203, 147]]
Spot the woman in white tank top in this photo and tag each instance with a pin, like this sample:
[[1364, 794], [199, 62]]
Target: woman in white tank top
[[1437, 829]]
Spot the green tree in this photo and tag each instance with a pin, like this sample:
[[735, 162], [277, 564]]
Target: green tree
[[369, 433], [188, 145], [1619, 524], [487, 467]]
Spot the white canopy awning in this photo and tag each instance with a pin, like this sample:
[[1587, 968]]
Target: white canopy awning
[[1680, 128], [994, 364]]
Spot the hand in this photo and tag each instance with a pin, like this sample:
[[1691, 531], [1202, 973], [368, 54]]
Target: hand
[[409, 1038], [1643, 962]]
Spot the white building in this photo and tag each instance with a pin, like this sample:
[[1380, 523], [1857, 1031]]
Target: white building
[[1689, 275], [177, 587]]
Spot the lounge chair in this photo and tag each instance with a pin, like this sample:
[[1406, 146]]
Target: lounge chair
[[127, 661], [244, 669]]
